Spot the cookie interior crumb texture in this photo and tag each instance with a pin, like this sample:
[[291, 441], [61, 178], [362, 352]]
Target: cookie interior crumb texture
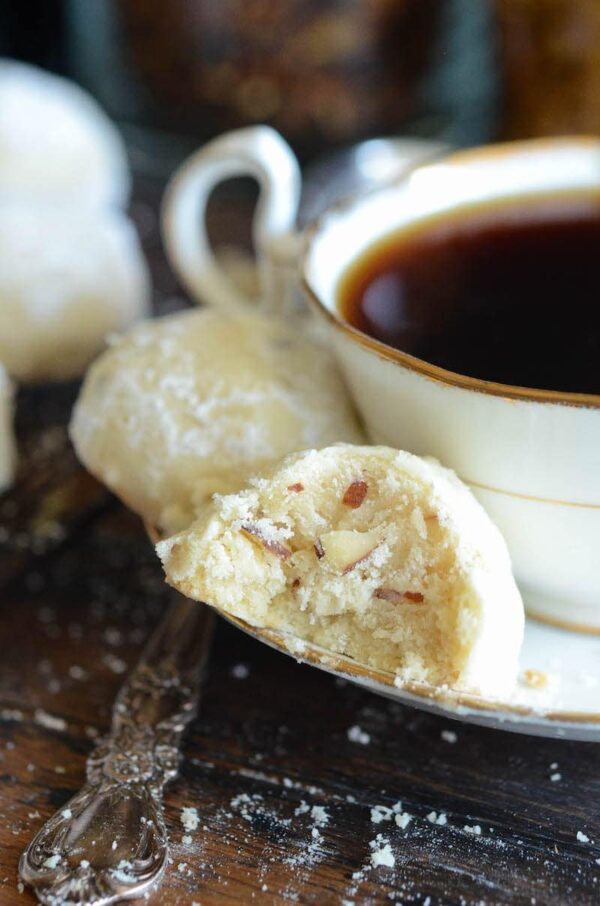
[[369, 552], [194, 403]]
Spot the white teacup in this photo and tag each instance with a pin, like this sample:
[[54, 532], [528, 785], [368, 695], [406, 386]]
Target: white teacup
[[532, 457]]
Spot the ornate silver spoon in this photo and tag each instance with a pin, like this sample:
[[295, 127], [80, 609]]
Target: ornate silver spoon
[[109, 842]]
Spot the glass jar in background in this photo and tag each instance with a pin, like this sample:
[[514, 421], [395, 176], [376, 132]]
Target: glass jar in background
[[550, 66], [325, 73]]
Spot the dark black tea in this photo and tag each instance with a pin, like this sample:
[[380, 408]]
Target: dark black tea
[[509, 293]]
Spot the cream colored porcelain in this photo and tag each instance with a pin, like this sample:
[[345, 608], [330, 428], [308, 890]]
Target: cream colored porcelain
[[532, 457]]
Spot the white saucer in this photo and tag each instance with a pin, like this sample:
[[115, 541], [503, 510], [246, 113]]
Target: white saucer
[[567, 705]]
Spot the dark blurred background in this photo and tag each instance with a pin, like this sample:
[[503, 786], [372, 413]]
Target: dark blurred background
[[326, 73]]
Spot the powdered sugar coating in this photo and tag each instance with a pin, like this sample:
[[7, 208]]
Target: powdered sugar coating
[[191, 404], [68, 277], [56, 144]]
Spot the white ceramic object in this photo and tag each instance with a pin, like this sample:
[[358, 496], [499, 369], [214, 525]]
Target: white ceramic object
[[532, 457], [565, 704]]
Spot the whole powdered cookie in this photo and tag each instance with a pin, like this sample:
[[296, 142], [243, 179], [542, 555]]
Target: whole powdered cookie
[[369, 552], [68, 277], [195, 402], [56, 144]]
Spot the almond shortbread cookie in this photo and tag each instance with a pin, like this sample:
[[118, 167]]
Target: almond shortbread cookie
[[56, 143], [369, 552], [196, 402], [68, 277]]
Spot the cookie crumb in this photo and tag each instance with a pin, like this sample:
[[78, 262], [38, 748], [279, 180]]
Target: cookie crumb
[[189, 818], [535, 679], [403, 819], [382, 853], [355, 734], [240, 671]]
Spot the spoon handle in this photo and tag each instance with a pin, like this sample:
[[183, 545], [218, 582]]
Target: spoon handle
[[109, 842]]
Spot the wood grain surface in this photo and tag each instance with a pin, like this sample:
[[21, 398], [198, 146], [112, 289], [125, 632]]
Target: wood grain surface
[[283, 790]]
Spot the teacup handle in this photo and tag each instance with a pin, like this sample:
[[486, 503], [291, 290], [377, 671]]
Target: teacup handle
[[257, 151]]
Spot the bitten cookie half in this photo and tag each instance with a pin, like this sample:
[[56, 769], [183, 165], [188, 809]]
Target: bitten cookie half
[[195, 403], [369, 552]]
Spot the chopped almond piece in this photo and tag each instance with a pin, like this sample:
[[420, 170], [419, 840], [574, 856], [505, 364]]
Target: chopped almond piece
[[296, 583], [343, 550], [415, 596], [297, 487], [399, 597], [355, 494], [270, 544], [319, 549]]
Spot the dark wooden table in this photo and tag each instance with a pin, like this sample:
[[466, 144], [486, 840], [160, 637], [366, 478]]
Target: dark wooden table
[[80, 592]]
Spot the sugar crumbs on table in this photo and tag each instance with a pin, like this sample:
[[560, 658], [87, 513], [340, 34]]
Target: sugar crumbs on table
[[472, 829], [449, 736], [11, 714], [583, 838], [319, 815], [189, 818], [77, 673], [403, 819], [49, 721], [355, 734], [52, 861], [381, 813], [381, 852], [554, 778], [240, 671], [113, 636], [121, 873], [67, 813], [434, 818], [115, 664]]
